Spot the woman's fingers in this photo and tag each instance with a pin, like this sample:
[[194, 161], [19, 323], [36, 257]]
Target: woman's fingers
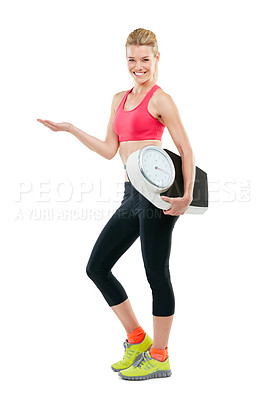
[[48, 124], [51, 124], [61, 126]]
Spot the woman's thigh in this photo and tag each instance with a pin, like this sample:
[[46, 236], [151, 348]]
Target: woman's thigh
[[119, 233], [155, 235]]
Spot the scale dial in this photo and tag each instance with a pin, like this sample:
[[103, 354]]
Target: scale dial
[[156, 166]]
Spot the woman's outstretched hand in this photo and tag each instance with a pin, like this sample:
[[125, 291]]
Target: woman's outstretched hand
[[63, 126]]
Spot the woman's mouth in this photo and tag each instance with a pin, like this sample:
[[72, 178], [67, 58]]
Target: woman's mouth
[[139, 73]]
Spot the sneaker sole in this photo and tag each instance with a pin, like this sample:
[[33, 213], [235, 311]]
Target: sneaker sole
[[157, 374], [138, 357]]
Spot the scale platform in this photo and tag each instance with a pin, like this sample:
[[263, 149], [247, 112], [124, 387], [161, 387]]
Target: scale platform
[[199, 203]]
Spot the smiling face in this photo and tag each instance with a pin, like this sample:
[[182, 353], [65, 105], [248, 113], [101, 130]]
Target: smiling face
[[141, 62]]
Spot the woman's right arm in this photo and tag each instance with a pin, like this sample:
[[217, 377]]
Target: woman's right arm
[[107, 148]]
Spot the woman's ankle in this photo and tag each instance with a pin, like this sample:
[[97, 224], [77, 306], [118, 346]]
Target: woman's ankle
[[136, 336]]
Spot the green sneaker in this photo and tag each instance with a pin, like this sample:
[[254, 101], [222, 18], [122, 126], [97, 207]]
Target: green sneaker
[[132, 353], [147, 367]]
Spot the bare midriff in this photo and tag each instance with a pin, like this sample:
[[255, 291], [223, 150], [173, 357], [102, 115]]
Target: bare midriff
[[128, 147]]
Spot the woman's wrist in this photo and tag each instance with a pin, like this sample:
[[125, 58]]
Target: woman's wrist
[[188, 197], [70, 127]]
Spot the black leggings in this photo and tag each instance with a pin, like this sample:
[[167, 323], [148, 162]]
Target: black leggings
[[135, 217]]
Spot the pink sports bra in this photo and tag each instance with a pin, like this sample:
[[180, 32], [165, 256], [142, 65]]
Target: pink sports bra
[[137, 124]]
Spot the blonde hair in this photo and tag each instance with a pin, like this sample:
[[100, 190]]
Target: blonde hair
[[144, 37]]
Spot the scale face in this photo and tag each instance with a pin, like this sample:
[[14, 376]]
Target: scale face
[[156, 166]]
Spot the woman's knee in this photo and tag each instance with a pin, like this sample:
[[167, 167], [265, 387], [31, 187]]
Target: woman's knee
[[159, 277], [96, 271], [91, 270]]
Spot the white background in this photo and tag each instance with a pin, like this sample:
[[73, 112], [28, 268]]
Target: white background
[[64, 61]]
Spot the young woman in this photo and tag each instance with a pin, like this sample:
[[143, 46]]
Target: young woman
[[138, 118]]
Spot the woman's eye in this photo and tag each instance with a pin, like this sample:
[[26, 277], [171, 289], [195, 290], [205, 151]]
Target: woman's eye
[[145, 59]]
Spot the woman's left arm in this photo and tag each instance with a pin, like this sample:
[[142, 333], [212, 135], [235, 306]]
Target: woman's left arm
[[171, 119]]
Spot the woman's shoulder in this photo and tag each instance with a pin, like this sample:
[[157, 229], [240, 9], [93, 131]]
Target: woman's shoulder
[[120, 94], [160, 96], [160, 92], [117, 98]]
